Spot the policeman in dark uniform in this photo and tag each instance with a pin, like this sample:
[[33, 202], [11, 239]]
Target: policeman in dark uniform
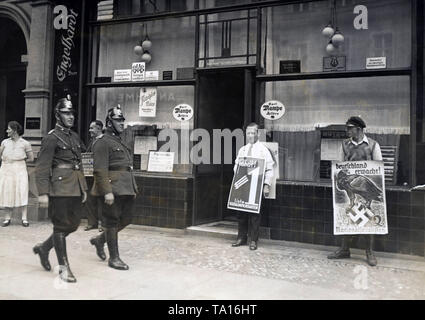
[[59, 176], [114, 181]]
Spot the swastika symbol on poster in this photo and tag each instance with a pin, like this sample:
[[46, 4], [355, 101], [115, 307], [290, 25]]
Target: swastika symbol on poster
[[360, 213]]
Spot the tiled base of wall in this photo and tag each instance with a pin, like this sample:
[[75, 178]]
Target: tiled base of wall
[[164, 202], [304, 214]]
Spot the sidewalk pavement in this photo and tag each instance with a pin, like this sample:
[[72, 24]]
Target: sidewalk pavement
[[174, 264]]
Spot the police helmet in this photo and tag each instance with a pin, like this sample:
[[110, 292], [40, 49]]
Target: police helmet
[[115, 114]]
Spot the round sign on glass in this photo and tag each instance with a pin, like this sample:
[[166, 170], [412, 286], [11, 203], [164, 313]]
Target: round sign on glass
[[272, 110], [183, 112]]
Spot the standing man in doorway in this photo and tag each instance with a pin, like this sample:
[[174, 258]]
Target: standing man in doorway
[[358, 147], [249, 223], [94, 215], [60, 179], [114, 182]]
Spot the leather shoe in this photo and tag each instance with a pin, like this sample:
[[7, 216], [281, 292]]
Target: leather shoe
[[253, 245], [341, 253], [25, 223], [90, 227], [371, 259], [99, 244], [239, 242], [6, 223]]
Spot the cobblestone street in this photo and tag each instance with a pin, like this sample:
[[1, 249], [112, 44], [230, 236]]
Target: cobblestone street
[[171, 264]]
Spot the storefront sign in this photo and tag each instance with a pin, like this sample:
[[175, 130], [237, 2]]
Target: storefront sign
[[161, 161], [247, 185], [182, 112], [32, 123], [272, 110], [122, 75], [87, 163], [138, 71], [151, 75], [274, 151], [67, 54], [376, 63], [334, 63], [167, 75], [147, 103], [289, 66], [359, 197]]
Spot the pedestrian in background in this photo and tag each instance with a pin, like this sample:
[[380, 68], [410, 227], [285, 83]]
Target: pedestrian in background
[[93, 205], [14, 152]]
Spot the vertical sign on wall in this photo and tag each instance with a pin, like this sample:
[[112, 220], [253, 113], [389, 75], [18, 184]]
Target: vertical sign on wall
[[67, 50]]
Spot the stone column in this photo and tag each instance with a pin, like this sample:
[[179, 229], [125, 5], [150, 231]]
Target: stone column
[[37, 92], [39, 74]]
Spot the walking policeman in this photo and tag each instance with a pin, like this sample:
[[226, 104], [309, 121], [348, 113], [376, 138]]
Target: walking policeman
[[60, 179], [114, 181]]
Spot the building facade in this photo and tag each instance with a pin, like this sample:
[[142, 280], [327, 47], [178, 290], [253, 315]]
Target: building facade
[[225, 59]]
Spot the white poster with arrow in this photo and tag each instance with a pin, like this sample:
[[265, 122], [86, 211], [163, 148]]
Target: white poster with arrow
[[247, 185]]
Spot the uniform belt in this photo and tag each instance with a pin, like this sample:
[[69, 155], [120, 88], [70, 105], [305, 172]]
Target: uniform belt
[[120, 168], [67, 166]]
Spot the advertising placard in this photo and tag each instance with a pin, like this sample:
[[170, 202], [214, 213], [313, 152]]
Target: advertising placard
[[161, 161], [138, 71], [87, 163], [359, 197], [247, 185], [147, 103]]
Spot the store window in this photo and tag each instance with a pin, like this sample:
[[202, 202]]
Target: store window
[[126, 8], [142, 131], [228, 38], [324, 104], [114, 47], [294, 32]]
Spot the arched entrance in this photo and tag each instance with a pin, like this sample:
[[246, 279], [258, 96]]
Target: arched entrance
[[12, 74]]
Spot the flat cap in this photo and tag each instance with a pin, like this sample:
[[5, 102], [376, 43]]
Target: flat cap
[[356, 122]]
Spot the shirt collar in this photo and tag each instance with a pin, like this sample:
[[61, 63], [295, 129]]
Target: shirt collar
[[63, 129], [365, 140]]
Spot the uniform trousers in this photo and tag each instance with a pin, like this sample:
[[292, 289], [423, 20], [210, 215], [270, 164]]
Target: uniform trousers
[[66, 213], [93, 207], [120, 213]]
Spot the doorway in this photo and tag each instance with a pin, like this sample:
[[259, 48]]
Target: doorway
[[225, 99], [12, 74]]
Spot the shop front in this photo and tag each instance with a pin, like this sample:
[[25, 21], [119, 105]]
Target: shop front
[[185, 71]]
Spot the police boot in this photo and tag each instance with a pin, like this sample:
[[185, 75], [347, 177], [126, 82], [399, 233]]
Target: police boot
[[99, 243], [43, 249], [343, 251], [114, 257], [370, 257], [65, 272]]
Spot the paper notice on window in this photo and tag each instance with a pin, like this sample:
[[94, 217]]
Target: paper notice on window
[[122, 75], [161, 161], [376, 63], [147, 103], [144, 144], [274, 151], [330, 149], [138, 71]]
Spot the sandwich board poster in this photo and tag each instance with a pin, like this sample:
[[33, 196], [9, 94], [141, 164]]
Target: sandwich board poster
[[247, 185], [359, 197]]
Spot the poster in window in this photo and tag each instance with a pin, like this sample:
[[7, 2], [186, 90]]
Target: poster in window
[[160, 161], [359, 197], [247, 185], [138, 71], [87, 163], [147, 104], [274, 151]]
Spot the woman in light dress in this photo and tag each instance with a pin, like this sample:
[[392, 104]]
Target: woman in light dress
[[14, 153]]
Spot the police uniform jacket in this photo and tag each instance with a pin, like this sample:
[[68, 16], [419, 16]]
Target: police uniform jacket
[[58, 168], [113, 166]]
